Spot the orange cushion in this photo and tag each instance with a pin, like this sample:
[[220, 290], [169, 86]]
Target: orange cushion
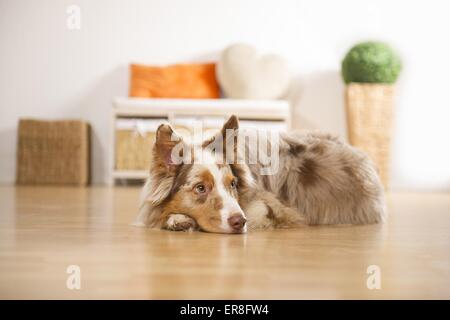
[[175, 81]]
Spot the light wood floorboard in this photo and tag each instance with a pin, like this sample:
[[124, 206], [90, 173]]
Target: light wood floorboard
[[43, 230]]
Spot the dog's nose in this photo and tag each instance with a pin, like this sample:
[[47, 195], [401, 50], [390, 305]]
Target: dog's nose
[[237, 221]]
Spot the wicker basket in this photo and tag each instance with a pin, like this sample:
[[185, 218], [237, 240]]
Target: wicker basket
[[133, 150], [369, 122], [134, 141], [53, 152], [135, 138]]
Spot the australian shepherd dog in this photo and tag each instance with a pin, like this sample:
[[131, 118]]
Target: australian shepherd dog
[[223, 184]]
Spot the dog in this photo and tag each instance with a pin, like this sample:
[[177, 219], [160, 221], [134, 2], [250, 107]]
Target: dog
[[318, 180]]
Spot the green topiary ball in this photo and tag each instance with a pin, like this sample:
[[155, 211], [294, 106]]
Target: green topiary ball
[[371, 62]]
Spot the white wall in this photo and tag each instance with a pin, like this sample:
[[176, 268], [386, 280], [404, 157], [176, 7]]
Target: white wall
[[48, 71]]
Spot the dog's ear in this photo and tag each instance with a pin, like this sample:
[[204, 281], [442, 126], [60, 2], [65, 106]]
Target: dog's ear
[[231, 124], [167, 158], [230, 139], [168, 148], [224, 143]]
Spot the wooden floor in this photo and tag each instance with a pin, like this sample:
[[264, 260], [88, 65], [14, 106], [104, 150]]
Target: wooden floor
[[43, 230]]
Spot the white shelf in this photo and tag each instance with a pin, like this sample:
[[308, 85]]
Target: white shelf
[[250, 111], [130, 174], [247, 109]]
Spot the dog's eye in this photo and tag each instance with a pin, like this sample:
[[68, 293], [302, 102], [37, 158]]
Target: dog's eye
[[233, 184], [200, 188]]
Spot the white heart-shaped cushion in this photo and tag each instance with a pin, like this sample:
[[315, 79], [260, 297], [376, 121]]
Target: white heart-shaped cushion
[[243, 74]]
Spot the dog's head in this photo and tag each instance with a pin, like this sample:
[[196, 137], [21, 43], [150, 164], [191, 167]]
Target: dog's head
[[202, 181]]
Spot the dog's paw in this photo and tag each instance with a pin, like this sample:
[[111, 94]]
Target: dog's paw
[[180, 222]]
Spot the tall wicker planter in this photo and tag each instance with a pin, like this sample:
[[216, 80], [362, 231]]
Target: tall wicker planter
[[369, 121]]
